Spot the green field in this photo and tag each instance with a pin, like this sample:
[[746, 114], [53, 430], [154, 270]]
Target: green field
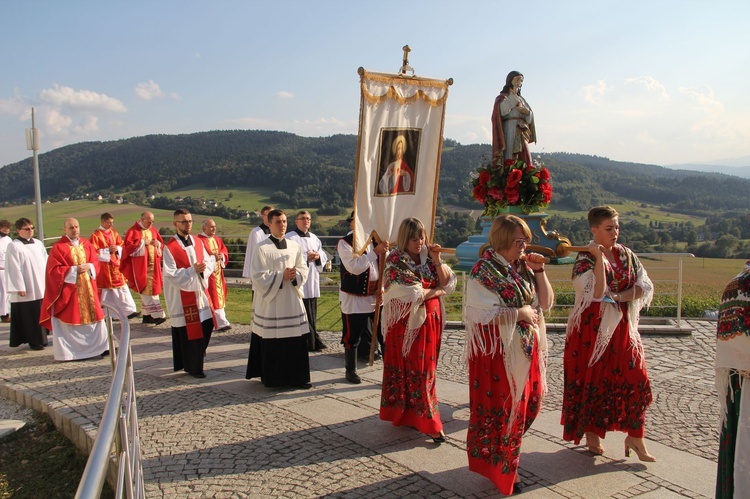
[[88, 213], [634, 211]]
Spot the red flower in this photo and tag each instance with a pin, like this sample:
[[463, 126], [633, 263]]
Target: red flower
[[544, 173], [510, 162], [480, 193], [484, 178], [546, 190], [514, 177], [495, 193], [511, 193]]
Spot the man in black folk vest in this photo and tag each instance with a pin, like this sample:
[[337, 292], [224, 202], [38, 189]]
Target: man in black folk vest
[[357, 295]]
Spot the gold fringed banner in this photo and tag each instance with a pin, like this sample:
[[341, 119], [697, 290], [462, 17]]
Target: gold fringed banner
[[398, 153]]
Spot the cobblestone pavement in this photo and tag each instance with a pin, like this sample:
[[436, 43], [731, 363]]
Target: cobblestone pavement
[[225, 436]]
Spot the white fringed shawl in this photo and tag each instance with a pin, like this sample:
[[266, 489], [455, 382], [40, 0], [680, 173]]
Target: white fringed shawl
[[404, 293], [733, 335], [610, 314], [733, 358], [497, 309]]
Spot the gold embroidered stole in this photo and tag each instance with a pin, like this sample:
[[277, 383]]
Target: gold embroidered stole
[[150, 261], [220, 294], [84, 290]]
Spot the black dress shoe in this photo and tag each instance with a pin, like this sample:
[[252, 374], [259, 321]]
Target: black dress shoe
[[198, 375], [134, 315], [36, 347], [439, 439], [225, 328], [159, 320], [303, 386], [147, 319], [517, 488], [105, 353]]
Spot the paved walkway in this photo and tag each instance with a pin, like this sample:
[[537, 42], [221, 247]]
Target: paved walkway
[[225, 436]]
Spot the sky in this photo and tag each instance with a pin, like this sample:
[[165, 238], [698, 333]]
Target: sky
[[659, 82]]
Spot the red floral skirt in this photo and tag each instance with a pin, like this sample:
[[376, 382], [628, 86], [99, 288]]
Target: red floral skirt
[[493, 451], [611, 395], [409, 396]]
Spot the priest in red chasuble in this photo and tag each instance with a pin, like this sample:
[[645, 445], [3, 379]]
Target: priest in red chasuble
[[70, 307], [217, 284], [187, 265], [113, 288], [141, 265]]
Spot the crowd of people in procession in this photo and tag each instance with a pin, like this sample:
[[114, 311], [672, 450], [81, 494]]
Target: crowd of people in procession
[[606, 384]]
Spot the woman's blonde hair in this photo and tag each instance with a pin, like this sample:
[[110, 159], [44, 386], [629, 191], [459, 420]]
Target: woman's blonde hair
[[410, 228], [503, 231]]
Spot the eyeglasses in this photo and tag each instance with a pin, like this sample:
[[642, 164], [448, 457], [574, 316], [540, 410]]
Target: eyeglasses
[[184, 221], [29, 228], [520, 243]]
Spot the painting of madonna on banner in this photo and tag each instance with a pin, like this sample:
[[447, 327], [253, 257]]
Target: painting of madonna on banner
[[397, 160]]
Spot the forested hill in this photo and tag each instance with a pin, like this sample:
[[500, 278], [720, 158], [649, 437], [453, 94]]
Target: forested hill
[[319, 172]]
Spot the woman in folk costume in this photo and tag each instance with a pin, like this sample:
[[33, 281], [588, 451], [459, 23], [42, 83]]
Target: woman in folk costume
[[606, 386], [732, 373], [506, 346], [413, 318]]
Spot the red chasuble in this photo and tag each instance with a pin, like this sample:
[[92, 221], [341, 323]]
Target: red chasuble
[[188, 298], [142, 272], [109, 276], [217, 284], [73, 303]]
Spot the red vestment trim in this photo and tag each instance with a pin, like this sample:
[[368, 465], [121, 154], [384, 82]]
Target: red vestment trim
[[188, 298]]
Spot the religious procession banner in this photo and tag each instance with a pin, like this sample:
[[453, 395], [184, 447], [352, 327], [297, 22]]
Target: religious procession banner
[[398, 153]]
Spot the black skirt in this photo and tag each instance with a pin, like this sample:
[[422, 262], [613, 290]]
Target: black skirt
[[279, 361]]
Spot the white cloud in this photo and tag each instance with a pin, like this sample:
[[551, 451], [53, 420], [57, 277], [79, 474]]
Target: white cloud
[[56, 122], [80, 99], [89, 124], [651, 84], [703, 96], [283, 94], [13, 106], [148, 90], [593, 93]]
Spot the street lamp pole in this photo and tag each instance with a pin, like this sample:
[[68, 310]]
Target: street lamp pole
[[32, 143]]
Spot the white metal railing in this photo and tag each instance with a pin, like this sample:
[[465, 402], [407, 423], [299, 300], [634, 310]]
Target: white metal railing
[[650, 262], [119, 425]]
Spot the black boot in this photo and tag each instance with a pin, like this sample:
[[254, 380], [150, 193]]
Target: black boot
[[350, 359]]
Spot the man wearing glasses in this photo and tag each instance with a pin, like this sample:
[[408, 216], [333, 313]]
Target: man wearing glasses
[[187, 266], [316, 258], [217, 284], [141, 265], [71, 307], [25, 261]]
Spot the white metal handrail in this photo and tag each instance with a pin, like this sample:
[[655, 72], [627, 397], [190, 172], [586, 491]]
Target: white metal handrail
[[119, 425]]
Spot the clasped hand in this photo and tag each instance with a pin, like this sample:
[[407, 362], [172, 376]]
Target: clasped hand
[[529, 314], [290, 273]]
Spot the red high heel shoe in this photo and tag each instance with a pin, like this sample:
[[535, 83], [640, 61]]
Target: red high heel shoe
[[643, 454]]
